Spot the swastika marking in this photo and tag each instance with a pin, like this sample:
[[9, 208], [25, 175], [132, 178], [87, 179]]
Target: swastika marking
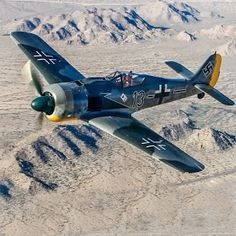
[[208, 69]]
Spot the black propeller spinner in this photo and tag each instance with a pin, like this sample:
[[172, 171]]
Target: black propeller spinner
[[44, 104]]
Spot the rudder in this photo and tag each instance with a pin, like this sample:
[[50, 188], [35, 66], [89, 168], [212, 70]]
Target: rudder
[[209, 72], [207, 76]]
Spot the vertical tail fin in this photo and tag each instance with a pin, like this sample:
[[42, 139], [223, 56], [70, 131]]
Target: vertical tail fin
[[209, 72], [206, 78]]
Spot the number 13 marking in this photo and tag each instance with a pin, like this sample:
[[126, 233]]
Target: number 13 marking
[[139, 98]]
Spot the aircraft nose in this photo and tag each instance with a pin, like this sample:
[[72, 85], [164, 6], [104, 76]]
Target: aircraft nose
[[43, 104]]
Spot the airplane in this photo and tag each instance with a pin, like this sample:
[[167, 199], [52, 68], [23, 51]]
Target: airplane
[[108, 102]]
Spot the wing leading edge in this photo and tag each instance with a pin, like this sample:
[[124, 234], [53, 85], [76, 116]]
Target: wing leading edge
[[50, 64], [135, 133]]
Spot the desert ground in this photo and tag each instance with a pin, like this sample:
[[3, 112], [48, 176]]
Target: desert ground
[[73, 179]]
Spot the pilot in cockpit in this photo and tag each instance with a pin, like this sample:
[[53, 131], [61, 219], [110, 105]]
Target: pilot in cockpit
[[128, 79]]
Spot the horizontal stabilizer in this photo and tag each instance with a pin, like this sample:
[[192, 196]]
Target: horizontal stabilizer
[[214, 93], [180, 69]]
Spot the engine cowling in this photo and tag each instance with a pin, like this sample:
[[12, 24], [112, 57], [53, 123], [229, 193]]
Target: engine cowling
[[71, 101]]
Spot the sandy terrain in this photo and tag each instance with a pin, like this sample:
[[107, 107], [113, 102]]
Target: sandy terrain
[[72, 179]]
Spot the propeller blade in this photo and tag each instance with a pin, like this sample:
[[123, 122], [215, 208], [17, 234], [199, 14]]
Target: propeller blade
[[39, 122], [33, 77], [37, 85]]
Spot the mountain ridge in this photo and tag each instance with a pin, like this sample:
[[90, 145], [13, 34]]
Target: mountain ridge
[[91, 25]]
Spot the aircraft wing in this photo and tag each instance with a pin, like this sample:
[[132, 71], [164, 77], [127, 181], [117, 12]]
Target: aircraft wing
[[131, 131], [48, 62]]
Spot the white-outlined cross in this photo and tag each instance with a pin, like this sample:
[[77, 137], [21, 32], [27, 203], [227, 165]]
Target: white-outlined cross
[[149, 143], [42, 56], [166, 89]]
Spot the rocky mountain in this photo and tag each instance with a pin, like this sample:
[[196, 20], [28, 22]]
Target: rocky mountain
[[92, 25], [169, 12], [186, 37], [211, 140], [228, 49], [60, 157], [112, 25], [51, 160], [187, 132], [220, 31]]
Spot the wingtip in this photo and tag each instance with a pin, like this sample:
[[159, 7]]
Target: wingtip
[[228, 102], [20, 33], [233, 106], [192, 166], [14, 33], [13, 36], [231, 103], [197, 168], [22, 37]]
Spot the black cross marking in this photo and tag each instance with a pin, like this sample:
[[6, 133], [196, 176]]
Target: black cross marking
[[149, 143], [162, 94], [42, 56]]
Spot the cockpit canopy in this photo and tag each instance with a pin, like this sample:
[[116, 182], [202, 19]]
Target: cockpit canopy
[[125, 79]]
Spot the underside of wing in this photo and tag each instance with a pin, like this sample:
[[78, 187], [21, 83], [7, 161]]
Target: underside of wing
[[128, 129], [48, 62], [180, 69]]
